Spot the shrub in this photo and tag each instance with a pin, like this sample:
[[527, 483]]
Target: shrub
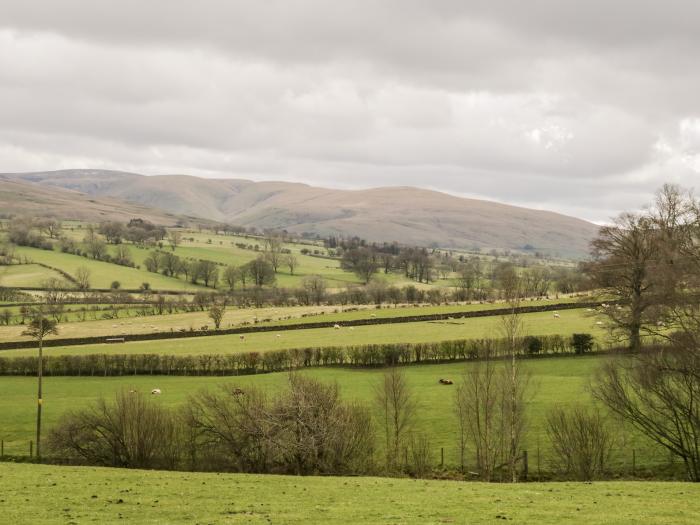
[[533, 345], [581, 442], [133, 431], [582, 343], [115, 285]]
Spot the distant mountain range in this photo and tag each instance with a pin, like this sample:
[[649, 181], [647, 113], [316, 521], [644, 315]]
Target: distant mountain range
[[403, 214]]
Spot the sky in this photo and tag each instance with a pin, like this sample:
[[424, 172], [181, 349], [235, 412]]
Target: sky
[[585, 108]]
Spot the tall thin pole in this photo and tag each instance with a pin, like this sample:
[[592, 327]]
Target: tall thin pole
[[40, 373]]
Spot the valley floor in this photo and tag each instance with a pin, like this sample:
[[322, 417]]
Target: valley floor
[[38, 494]]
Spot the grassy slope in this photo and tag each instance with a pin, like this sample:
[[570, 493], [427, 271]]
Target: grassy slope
[[38, 494], [572, 321], [19, 275], [554, 381], [102, 274]]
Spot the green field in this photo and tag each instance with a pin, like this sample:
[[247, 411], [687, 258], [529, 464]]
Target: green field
[[571, 321], [39, 494], [19, 275], [563, 380], [126, 323], [102, 274]]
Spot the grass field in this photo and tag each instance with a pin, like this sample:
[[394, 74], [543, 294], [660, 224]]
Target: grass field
[[571, 321], [102, 274], [564, 380], [39, 494], [128, 323], [19, 275]]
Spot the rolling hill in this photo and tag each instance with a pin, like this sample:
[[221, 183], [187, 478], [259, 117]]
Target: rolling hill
[[404, 214], [25, 198]]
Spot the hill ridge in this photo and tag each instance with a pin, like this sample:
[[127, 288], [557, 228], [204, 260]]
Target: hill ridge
[[408, 215]]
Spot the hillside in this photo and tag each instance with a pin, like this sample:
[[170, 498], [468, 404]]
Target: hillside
[[25, 198], [407, 215]]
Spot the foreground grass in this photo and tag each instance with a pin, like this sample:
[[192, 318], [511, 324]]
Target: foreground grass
[[38, 494], [571, 321]]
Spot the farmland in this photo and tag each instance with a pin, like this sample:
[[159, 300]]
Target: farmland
[[82, 494], [555, 381], [541, 324]]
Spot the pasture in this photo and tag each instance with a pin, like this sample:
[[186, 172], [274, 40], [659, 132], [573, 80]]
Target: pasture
[[102, 274], [571, 321], [554, 381], [137, 319], [46, 495]]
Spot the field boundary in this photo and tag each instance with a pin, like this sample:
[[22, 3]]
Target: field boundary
[[77, 341]]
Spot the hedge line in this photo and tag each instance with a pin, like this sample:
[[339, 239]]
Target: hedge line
[[12, 345], [277, 360]]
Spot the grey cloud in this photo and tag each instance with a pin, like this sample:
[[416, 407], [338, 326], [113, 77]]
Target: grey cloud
[[581, 107]]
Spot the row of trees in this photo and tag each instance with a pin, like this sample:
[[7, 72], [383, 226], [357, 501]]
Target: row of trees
[[307, 428], [253, 362]]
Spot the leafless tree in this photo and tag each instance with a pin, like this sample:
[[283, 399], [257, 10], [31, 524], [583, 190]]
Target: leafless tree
[[133, 431], [174, 239], [581, 440], [657, 390], [82, 278], [625, 255], [216, 314], [397, 404], [292, 262]]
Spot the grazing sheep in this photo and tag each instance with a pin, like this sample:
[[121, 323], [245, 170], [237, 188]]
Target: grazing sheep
[[279, 335], [336, 327], [156, 391], [556, 315], [446, 382], [599, 323]]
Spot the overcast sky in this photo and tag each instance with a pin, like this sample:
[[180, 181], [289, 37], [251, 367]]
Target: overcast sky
[[582, 107]]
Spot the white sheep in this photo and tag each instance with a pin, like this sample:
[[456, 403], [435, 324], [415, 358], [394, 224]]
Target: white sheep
[[336, 327], [556, 315], [156, 391]]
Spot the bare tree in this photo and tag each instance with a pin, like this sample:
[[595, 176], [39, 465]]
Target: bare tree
[[623, 267], [657, 391], [273, 250], [397, 404], [216, 314], [82, 278], [480, 418], [315, 288], [231, 276], [292, 262], [39, 327], [515, 379], [174, 239], [581, 440]]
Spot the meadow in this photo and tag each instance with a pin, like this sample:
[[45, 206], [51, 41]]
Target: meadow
[[41, 494], [130, 319], [542, 323], [554, 381]]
